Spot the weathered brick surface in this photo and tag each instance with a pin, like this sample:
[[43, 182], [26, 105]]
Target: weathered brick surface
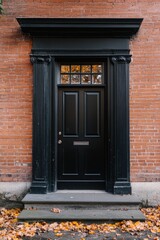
[[16, 82]]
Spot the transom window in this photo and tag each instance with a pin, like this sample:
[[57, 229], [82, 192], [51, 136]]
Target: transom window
[[82, 74]]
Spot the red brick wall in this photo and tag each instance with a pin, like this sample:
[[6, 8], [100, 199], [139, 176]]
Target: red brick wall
[[16, 82]]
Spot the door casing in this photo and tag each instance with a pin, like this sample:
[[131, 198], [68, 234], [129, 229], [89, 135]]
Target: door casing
[[102, 39]]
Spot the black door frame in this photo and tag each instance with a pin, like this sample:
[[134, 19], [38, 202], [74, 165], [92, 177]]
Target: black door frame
[[102, 39], [71, 57]]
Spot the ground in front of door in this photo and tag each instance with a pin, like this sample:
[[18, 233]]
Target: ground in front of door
[[146, 235], [125, 230]]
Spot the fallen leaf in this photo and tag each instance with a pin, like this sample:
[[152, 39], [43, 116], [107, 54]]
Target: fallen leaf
[[55, 210], [13, 230], [58, 234]]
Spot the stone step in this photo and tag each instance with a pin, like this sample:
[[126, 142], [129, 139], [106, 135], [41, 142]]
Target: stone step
[[75, 206], [81, 199], [81, 215], [81, 205]]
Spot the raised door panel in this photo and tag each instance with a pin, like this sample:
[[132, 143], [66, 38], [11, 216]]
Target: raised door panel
[[70, 113], [92, 113]]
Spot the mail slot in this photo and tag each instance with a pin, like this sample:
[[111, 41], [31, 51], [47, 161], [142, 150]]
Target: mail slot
[[81, 143]]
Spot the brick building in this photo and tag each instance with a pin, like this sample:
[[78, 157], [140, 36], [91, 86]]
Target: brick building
[[67, 62]]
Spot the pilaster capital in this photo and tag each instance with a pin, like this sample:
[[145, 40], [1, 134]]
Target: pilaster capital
[[121, 59], [40, 59]]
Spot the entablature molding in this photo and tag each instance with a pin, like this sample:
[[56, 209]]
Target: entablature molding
[[80, 27], [77, 52]]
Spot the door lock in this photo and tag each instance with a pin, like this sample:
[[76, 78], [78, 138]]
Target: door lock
[[59, 133], [59, 141]]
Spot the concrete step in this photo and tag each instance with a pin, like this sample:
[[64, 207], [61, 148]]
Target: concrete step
[[81, 215]]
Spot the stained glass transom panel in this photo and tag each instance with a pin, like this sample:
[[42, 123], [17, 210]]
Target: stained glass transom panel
[[82, 74]]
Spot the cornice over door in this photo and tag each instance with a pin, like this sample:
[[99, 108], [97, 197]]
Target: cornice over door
[[81, 27]]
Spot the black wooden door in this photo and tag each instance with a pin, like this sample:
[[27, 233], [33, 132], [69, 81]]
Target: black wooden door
[[81, 138]]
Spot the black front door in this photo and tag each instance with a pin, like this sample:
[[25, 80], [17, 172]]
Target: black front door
[[81, 137]]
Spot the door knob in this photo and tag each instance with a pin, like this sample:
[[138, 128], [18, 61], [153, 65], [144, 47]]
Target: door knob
[[59, 141]]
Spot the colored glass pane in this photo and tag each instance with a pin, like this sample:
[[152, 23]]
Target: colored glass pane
[[65, 79], [75, 79], [86, 68], [75, 68], [65, 68], [86, 79], [97, 79], [96, 68]]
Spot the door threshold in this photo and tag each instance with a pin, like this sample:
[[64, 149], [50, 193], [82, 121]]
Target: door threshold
[[81, 185], [79, 191]]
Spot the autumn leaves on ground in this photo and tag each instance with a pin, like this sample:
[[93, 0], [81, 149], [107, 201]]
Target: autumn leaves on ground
[[11, 229]]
